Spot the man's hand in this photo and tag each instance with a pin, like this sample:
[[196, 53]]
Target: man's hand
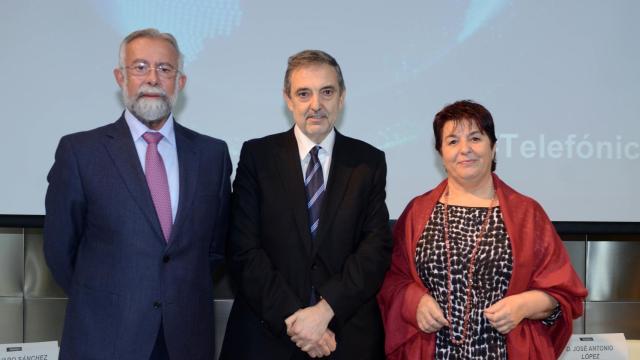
[[325, 346], [307, 327], [429, 315]]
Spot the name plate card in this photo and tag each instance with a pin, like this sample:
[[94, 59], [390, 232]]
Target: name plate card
[[30, 351], [596, 347]]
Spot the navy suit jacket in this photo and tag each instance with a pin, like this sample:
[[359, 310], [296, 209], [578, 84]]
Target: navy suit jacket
[[275, 263], [104, 245]]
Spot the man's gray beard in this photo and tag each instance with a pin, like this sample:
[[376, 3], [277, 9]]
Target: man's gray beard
[[149, 110]]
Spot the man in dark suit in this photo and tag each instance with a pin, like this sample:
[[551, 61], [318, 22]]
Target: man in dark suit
[[136, 211], [309, 240]]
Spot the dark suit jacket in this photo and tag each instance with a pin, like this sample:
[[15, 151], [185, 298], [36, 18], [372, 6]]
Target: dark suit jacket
[[104, 245], [274, 262]]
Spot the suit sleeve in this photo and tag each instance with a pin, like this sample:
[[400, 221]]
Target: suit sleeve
[[65, 206], [263, 287], [216, 250], [364, 270]]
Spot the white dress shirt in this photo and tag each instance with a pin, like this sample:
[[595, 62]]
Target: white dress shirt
[[324, 155]]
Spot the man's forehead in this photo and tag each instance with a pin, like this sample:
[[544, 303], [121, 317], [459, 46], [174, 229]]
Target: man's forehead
[[146, 47], [322, 75]]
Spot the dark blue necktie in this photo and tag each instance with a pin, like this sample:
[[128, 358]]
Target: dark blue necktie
[[314, 185]]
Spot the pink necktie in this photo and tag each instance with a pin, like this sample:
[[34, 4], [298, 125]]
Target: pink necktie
[[157, 181]]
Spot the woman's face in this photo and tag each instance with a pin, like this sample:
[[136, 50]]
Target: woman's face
[[466, 152]]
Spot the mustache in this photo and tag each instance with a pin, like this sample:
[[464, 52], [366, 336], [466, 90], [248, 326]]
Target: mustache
[[316, 114], [151, 90]]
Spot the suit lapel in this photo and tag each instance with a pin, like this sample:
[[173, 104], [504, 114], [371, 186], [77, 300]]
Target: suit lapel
[[341, 169], [188, 165], [123, 152], [293, 184]]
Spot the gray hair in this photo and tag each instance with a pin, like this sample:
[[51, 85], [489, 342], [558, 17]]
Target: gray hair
[[311, 57], [150, 33]]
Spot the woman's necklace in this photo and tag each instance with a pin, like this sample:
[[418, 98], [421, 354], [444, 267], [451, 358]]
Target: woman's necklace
[[470, 271]]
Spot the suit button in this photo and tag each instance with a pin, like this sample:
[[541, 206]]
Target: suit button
[[314, 266], [166, 258], [157, 304]]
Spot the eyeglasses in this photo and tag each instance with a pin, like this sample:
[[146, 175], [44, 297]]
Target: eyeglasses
[[164, 71]]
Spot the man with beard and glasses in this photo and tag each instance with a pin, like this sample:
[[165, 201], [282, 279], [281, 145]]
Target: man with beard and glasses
[[136, 218], [309, 242]]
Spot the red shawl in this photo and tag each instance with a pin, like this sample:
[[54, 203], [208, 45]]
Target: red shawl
[[540, 262]]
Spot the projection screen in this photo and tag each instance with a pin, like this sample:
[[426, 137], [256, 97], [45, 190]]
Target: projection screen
[[560, 78]]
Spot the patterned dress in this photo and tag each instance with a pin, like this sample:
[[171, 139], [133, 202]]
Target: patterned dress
[[491, 277]]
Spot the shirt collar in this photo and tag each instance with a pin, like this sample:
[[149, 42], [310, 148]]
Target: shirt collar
[[138, 129], [305, 144]]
